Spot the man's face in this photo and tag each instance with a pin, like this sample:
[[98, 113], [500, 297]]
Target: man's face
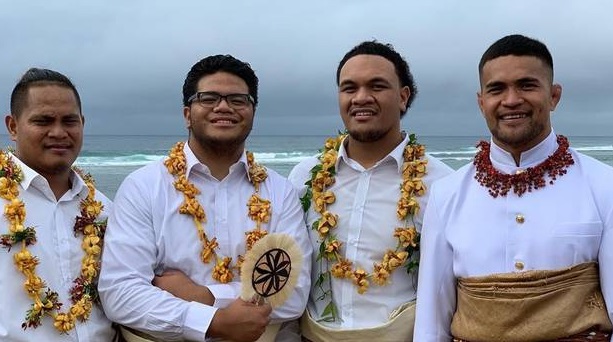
[[221, 125], [370, 97], [48, 133], [516, 98]]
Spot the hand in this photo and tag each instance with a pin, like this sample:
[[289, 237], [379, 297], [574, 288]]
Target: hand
[[180, 286], [241, 321]]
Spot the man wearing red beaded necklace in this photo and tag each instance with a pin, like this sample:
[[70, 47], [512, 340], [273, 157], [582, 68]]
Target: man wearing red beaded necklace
[[518, 246], [46, 124]]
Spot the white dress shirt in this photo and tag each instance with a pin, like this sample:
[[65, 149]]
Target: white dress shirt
[[469, 233], [366, 203], [147, 235], [59, 253]]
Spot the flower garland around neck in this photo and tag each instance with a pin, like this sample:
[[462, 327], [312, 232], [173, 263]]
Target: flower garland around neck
[[83, 293], [532, 178], [259, 210], [318, 194]]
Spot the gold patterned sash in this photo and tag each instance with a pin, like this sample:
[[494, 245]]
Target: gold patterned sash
[[530, 306], [398, 329], [131, 335]]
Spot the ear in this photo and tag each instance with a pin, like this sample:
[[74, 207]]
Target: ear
[[11, 126], [480, 102], [405, 93], [187, 113], [556, 95], [83, 120]]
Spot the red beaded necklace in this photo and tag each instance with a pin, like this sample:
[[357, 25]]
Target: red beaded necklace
[[531, 179]]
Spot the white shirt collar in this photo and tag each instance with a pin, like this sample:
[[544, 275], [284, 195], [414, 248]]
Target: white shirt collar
[[33, 178], [503, 160], [192, 161], [396, 154]]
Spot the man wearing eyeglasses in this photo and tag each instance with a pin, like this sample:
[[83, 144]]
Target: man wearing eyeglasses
[[174, 244]]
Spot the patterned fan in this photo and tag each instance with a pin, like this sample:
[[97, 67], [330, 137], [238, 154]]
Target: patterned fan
[[270, 270]]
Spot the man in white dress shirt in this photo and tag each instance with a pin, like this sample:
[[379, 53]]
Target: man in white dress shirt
[[170, 265], [375, 174], [46, 249], [518, 246]]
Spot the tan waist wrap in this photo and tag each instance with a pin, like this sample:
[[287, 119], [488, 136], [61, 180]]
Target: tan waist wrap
[[530, 306], [131, 335], [399, 328]]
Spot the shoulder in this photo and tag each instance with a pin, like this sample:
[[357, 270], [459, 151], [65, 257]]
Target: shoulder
[[597, 173], [103, 198], [592, 167], [452, 183], [436, 168], [146, 178], [301, 173]]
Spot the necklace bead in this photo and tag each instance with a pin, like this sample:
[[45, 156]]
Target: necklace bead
[[532, 178]]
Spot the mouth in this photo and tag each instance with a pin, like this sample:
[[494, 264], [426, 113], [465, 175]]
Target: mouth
[[362, 112], [58, 147], [513, 116], [224, 121]]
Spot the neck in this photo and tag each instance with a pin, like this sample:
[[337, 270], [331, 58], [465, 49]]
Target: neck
[[369, 153], [59, 183], [217, 158]]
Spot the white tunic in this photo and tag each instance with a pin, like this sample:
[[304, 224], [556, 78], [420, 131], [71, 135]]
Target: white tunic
[[60, 255], [469, 233], [146, 235], [366, 202]]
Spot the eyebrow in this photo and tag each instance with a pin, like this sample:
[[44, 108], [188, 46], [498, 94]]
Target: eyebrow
[[526, 79], [375, 79]]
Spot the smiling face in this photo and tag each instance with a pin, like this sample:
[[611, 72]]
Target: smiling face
[[516, 98], [48, 133], [370, 98], [222, 126]]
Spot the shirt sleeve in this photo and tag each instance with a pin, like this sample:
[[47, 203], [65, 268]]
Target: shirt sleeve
[[301, 173], [436, 292], [128, 264], [291, 222], [225, 293], [605, 260]]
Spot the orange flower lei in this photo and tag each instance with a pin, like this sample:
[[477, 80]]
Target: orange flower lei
[[258, 210], [45, 301], [412, 186]]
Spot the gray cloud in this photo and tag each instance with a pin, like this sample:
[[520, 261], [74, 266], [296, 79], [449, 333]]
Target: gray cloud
[[129, 59]]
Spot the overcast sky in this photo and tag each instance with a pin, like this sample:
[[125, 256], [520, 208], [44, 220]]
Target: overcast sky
[[129, 58]]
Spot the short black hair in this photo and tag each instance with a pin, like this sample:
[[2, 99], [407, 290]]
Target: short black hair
[[517, 45], [38, 77], [386, 51], [217, 63]]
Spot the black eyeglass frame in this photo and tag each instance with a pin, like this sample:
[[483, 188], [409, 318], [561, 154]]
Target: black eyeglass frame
[[220, 97]]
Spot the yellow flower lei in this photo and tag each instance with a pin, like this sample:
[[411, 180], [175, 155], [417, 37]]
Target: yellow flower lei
[[322, 177], [258, 210], [45, 301]]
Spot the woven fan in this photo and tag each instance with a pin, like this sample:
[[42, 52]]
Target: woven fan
[[270, 270]]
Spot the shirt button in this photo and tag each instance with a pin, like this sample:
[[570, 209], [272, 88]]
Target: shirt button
[[519, 265], [519, 218]]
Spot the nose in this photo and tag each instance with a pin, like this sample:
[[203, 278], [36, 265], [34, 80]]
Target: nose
[[362, 95], [512, 98], [57, 131], [223, 105]]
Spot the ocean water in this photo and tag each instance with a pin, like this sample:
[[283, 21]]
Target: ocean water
[[110, 158]]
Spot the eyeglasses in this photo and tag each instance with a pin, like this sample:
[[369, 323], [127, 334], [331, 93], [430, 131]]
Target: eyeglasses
[[210, 99]]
